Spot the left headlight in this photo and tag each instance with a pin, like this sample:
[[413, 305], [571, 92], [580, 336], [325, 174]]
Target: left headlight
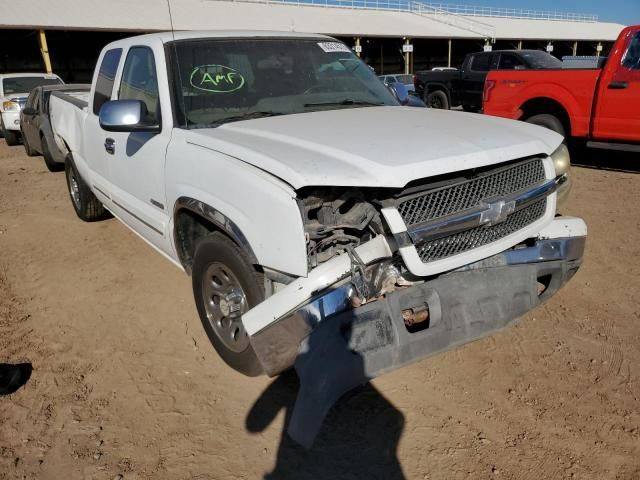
[[562, 164], [10, 106], [561, 160]]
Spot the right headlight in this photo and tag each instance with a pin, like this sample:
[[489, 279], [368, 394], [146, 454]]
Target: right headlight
[[10, 106]]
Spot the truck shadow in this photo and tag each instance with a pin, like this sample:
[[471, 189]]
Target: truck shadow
[[612, 160], [360, 434]]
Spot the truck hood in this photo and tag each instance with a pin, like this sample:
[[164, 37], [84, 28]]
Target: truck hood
[[374, 146]]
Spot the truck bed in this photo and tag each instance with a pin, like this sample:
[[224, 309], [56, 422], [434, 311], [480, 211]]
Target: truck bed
[[507, 91], [67, 111]]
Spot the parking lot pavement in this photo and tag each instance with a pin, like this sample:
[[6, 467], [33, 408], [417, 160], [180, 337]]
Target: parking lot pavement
[[125, 384]]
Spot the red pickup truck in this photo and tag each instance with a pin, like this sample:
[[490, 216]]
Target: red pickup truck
[[599, 105]]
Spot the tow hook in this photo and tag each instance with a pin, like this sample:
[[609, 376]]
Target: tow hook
[[412, 316]]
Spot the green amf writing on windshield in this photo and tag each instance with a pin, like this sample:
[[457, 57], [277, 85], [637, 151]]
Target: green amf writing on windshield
[[216, 78]]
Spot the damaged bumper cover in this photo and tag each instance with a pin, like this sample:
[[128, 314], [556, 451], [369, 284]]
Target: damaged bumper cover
[[463, 305]]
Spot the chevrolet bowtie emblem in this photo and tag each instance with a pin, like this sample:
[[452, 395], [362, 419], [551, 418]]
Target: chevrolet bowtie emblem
[[497, 212]]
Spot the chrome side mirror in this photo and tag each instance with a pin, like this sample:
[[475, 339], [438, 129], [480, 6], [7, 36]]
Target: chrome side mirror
[[126, 116], [399, 90]]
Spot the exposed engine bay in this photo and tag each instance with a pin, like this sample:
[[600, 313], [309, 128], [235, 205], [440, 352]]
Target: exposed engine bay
[[337, 220]]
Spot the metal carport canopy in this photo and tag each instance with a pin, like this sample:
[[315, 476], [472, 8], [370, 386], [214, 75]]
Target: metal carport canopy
[[153, 15]]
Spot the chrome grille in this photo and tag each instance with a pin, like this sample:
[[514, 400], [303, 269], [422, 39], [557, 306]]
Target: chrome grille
[[460, 196], [479, 236]]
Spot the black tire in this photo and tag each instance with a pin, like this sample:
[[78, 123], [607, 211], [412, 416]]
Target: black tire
[[437, 99], [52, 165], [27, 148], [12, 137], [85, 203], [548, 121], [216, 251]]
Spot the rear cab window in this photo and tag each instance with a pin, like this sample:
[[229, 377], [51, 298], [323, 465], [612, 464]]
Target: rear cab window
[[481, 62], [106, 78], [509, 61]]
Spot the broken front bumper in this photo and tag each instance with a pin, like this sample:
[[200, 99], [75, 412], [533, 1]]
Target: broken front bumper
[[463, 305]]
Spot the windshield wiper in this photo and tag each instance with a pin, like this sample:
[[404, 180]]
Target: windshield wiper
[[244, 116], [346, 101]]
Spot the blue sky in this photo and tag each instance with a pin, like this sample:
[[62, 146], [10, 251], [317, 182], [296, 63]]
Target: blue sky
[[626, 12]]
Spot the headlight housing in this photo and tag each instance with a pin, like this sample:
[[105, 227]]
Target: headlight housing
[[10, 106], [562, 164], [561, 160]]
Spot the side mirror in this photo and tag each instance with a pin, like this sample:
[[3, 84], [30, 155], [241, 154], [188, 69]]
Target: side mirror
[[399, 90], [126, 116], [29, 111]]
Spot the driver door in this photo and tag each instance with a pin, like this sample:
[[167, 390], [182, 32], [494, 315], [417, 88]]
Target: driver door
[[137, 159]]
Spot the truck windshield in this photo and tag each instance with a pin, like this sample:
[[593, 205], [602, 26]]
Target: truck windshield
[[26, 84], [219, 81], [541, 60]]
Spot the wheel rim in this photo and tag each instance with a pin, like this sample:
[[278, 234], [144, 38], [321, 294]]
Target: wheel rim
[[225, 302], [74, 189], [434, 102]]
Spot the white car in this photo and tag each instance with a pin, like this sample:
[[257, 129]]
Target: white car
[[323, 224], [14, 90]]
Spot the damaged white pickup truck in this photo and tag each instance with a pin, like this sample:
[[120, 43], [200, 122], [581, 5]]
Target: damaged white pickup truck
[[297, 191]]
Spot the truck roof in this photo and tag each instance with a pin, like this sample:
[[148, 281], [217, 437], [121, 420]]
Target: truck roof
[[166, 37], [27, 74]]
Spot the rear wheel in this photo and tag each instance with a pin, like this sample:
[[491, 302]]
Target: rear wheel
[[437, 99], [225, 286], [84, 202], [548, 121], [51, 164]]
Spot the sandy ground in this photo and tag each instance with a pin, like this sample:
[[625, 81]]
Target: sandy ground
[[126, 386]]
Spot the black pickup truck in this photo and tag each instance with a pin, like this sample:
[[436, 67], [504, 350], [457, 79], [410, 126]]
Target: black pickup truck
[[453, 88]]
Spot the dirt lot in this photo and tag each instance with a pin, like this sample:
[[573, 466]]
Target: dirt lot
[[126, 386]]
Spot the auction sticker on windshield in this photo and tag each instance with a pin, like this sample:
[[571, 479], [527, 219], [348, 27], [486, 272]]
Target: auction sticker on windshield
[[331, 47], [216, 78]]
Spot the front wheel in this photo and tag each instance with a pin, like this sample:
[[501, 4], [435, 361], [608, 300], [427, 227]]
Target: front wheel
[[51, 164], [27, 148], [437, 99], [225, 286], [12, 137]]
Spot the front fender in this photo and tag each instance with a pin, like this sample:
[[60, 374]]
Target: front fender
[[256, 209]]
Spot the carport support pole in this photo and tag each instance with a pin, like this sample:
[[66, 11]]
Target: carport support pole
[[407, 57], [520, 45], [575, 48], [358, 46], [42, 41], [449, 56]]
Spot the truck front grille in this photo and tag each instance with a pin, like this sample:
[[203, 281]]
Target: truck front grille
[[480, 236], [451, 199], [458, 203]]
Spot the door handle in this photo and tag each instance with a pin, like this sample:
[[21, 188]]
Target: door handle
[[110, 146], [618, 85]]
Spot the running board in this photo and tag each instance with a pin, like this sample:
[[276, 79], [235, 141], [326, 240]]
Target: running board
[[623, 147]]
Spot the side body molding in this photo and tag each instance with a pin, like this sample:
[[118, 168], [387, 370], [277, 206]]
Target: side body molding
[[216, 217]]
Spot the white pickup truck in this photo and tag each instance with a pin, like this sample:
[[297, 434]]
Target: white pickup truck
[[278, 171], [14, 90]]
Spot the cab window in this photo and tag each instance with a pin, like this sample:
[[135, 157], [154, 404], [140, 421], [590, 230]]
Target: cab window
[[632, 56], [106, 77], [140, 82]]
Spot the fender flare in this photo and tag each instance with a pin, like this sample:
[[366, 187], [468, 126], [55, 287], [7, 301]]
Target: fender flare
[[217, 218]]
